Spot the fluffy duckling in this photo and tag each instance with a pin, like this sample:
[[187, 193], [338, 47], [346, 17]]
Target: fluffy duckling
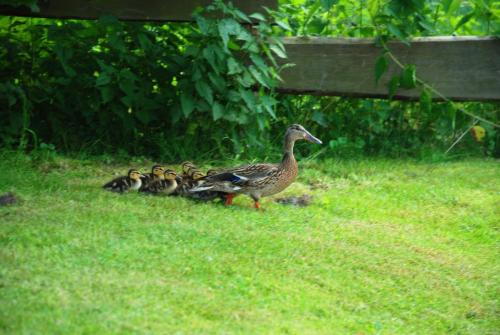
[[165, 186], [157, 174], [131, 182], [191, 177], [187, 170]]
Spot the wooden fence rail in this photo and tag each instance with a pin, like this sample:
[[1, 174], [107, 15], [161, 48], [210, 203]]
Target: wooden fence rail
[[461, 68], [146, 10]]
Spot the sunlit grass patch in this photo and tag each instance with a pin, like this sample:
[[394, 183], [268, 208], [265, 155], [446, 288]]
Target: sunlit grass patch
[[386, 246]]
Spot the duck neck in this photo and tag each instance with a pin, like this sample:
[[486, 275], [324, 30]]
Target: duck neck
[[288, 157]]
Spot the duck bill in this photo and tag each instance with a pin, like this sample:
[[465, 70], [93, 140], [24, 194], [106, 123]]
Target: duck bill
[[312, 139]]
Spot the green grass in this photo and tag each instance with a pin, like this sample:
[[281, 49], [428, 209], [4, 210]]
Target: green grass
[[387, 247]]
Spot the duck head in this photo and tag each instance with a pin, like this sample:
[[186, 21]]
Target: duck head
[[297, 132]]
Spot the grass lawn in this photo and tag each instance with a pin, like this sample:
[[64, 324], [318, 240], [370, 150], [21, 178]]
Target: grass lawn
[[386, 247]]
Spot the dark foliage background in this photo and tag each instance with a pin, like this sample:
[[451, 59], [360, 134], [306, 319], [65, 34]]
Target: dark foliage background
[[205, 90]]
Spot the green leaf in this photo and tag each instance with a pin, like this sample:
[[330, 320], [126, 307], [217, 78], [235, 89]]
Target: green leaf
[[395, 31], [128, 75], [217, 111], [205, 91], [269, 103], [327, 4], [276, 49], [187, 104], [65, 54], [258, 76], [242, 16], [143, 115], [380, 67], [228, 27], [209, 54], [202, 24], [144, 41], [246, 80], [284, 25], [427, 26], [319, 118], [103, 79], [257, 16], [259, 62], [244, 35], [426, 101], [233, 45], [234, 96], [317, 25], [127, 86], [232, 66], [192, 50], [466, 18], [116, 42], [408, 78], [248, 97], [393, 86], [251, 46], [107, 94], [217, 81], [450, 6]]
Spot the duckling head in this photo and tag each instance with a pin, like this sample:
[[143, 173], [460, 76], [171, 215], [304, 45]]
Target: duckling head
[[197, 174], [134, 174], [158, 171], [186, 166], [170, 174], [212, 172], [297, 132]]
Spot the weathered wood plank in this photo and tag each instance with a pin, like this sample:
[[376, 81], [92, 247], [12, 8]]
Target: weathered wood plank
[[147, 10], [461, 68]]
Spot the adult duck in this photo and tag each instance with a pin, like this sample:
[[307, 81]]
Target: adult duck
[[259, 180]]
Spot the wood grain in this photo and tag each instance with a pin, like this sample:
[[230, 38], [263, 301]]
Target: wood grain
[[147, 10], [461, 68]]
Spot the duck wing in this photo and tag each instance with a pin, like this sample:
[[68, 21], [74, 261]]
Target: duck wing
[[235, 179], [251, 171]]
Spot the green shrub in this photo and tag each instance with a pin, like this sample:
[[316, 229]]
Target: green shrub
[[205, 90]]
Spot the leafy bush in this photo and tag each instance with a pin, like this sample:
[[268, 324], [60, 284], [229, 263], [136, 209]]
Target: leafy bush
[[205, 90], [142, 87]]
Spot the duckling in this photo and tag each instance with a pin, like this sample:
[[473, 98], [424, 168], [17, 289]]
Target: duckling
[[188, 168], [165, 186], [190, 179], [131, 182], [157, 174]]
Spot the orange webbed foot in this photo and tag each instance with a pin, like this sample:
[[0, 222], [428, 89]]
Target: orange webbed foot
[[229, 199]]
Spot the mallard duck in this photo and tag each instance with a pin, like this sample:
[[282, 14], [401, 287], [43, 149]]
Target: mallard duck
[[165, 186], [259, 180], [131, 182], [157, 174]]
